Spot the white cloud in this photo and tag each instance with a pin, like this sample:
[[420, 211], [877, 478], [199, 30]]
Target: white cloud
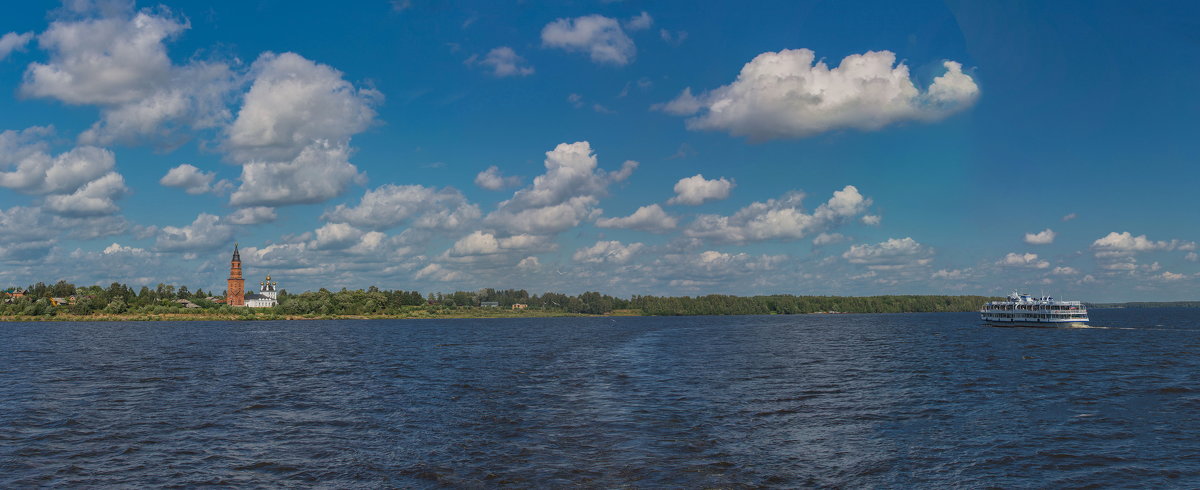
[[647, 218], [713, 269], [117, 248], [390, 205], [13, 42], [292, 133], [25, 234], [791, 94], [639, 22], [482, 243], [294, 103], [1069, 217], [1192, 256], [1023, 260], [779, 219], [1044, 237], [36, 172], [111, 60], [529, 263], [191, 179], [696, 190], [504, 62], [438, 273], [118, 61], [1169, 276], [95, 198], [871, 219], [252, 216], [674, 39], [320, 172], [491, 179], [828, 239], [335, 236], [953, 274], [601, 37], [613, 252], [1065, 271], [562, 197], [207, 232], [1125, 243], [892, 253]]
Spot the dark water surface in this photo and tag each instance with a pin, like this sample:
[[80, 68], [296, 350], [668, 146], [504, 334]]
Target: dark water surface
[[831, 400]]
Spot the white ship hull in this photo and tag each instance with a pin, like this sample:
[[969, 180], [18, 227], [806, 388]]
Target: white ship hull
[[1037, 324], [1022, 310]]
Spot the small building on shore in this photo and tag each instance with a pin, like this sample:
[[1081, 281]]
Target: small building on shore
[[236, 295], [266, 296]]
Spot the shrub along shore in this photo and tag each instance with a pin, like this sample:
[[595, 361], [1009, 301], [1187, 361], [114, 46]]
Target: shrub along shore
[[66, 302]]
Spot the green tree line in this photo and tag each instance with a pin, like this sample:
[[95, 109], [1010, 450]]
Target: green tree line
[[119, 299]]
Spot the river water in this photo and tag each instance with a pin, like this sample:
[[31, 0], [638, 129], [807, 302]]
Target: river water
[[896, 400]]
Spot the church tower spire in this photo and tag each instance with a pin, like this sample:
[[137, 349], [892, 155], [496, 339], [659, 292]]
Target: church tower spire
[[235, 294]]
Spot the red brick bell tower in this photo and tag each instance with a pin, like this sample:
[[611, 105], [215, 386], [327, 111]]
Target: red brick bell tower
[[235, 293]]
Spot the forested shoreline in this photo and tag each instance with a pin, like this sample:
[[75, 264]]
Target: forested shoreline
[[120, 301]]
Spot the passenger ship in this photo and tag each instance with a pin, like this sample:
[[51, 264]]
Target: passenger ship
[[1023, 310]]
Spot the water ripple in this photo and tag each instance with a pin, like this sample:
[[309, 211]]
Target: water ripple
[[820, 400]]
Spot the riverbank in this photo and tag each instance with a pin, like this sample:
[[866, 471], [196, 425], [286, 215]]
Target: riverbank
[[267, 315]]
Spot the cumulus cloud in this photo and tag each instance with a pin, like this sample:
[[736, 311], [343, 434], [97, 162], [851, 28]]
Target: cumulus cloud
[[504, 62], [712, 269], [25, 234], [390, 205], [111, 60], [647, 218], [696, 190], [189, 178], [889, 254], [320, 172], [1125, 243], [13, 42], [1023, 260], [673, 38], [293, 103], [206, 232], [562, 197], [612, 252], [599, 36], [292, 133], [1169, 276], [1044, 237], [950, 274], [482, 243], [492, 180], [1065, 271], [436, 272], [117, 60], [639, 22], [38, 173], [791, 94], [336, 236], [779, 219], [252, 216], [529, 263], [96, 198], [828, 239], [79, 182]]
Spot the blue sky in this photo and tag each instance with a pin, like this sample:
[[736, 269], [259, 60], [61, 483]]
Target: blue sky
[[627, 147]]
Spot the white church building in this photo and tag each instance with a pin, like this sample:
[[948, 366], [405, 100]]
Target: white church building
[[266, 295]]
